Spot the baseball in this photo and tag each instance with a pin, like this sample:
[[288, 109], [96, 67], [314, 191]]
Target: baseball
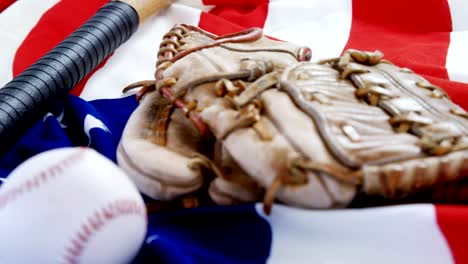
[[70, 205]]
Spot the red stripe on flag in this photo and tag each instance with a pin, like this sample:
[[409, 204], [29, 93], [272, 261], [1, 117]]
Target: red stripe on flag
[[54, 26], [414, 34], [453, 221], [5, 3], [228, 16]]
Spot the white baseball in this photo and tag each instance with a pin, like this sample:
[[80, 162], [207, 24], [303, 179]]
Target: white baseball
[[70, 205]]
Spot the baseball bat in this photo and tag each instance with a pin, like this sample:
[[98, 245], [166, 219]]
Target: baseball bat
[[27, 98]]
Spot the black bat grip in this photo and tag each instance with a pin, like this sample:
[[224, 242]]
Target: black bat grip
[[27, 98]]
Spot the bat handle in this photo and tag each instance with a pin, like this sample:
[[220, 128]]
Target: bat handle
[[27, 98]]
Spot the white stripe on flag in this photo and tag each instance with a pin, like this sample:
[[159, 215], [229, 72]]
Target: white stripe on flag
[[15, 24], [135, 60], [458, 12], [457, 52], [323, 26], [397, 234]]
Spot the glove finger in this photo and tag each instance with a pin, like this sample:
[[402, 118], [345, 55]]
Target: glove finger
[[160, 162], [234, 185]]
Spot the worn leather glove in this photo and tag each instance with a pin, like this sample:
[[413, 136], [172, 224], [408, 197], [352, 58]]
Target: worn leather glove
[[243, 115]]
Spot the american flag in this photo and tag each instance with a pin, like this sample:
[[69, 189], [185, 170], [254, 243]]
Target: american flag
[[427, 36]]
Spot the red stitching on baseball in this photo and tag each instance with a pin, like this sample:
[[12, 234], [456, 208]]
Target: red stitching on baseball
[[95, 222], [40, 178]]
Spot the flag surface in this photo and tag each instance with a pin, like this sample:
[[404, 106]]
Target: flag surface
[[428, 36]]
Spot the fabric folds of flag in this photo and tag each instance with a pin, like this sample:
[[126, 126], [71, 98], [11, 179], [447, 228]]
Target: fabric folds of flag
[[428, 36]]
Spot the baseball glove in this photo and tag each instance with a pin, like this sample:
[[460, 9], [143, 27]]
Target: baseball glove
[[249, 118]]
